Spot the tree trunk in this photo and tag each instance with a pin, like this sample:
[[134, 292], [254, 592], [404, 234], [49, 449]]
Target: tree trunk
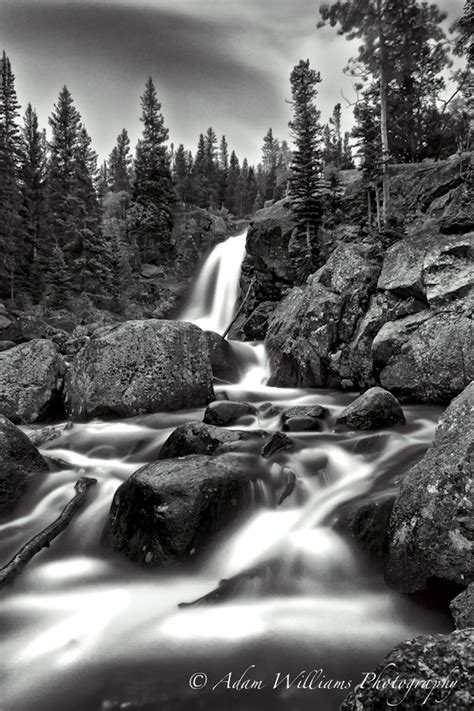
[[383, 115]]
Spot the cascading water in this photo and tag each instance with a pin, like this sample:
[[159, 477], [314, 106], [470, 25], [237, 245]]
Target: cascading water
[[213, 299], [213, 302], [84, 630]]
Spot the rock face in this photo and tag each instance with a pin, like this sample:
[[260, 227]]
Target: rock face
[[374, 409], [429, 658], [224, 363], [303, 418], [138, 367], [267, 270], [307, 334], [226, 412], [19, 462], [30, 379], [200, 438], [462, 608], [431, 532], [368, 524], [167, 511]]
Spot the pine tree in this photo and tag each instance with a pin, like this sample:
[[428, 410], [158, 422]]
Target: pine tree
[[223, 170], [211, 168], [234, 188], [11, 248], [120, 165], [182, 168], [199, 179], [33, 212], [57, 278], [103, 180], [269, 162], [63, 206], [305, 179], [153, 187]]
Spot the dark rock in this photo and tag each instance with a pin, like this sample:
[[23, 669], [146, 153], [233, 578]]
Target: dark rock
[[309, 329], [19, 462], [226, 412], [373, 409], [138, 367], [5, 345], [168, 511], [255, 327], [462, 608], [425, 357], [268, 409], [303, 418], [431, 533], [429, 659], [30, 378], [200, 438], [278, 442], [25, 327], [224, 363], [368, 524]]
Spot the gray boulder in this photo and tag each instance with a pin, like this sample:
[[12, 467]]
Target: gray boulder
[[30, 379], [201, 438], [368, 523], [431, 532], [433, 267], [278, 442], [168, 511], [373, 409], [226, 412], [462, 608], [138, 367], [19, 462], [425, 357], [429, 659], [303, 418]]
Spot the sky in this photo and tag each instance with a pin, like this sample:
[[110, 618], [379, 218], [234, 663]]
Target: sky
[[219, 63]]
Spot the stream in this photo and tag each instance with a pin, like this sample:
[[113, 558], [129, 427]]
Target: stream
[[82, 629]]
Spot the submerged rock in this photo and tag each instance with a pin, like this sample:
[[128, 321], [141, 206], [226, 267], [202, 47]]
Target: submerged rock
[[431, 534], [462, 608], [201, 438], [373, 409], [19, 462], [303, 418], [30, 379], [428, 660], [226, 412], [278, 442], [138, 367], [168, 511]]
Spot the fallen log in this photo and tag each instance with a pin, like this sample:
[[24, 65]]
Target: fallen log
[[239, 310], [44, 538]]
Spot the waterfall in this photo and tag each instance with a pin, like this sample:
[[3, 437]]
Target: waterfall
[[213, 300], [213, 304]]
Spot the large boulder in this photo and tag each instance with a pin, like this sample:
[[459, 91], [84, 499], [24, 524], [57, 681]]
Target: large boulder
[[431, 532], [433, 267], [201, 438], [168, 511], [426, 356], [308, 334], [367, 523], [19, 462], [462, 608], [138, 367], [30, 379], [411, 675], [373, 409]]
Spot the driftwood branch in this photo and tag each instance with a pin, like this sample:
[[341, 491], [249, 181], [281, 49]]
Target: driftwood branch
[[229, 587], [239, 310], [44, 538]]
